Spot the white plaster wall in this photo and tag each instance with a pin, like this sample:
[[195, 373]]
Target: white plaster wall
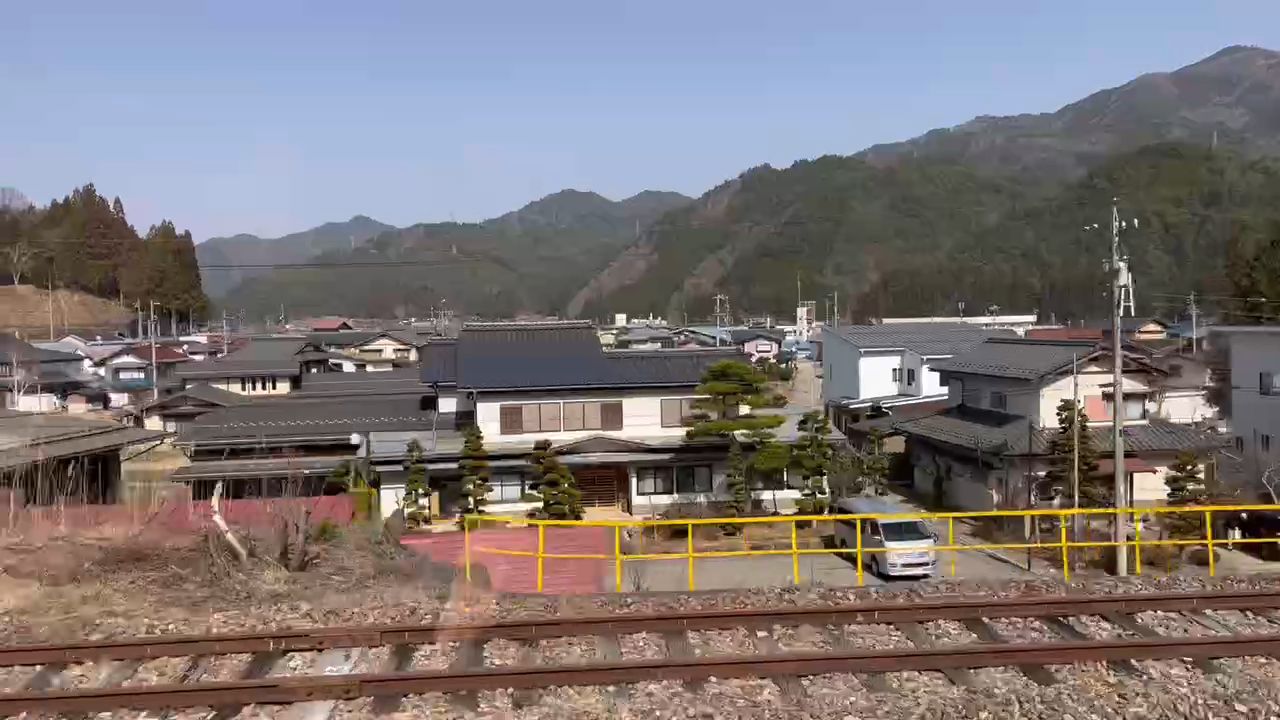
[[875, 374], [641, 415], [1254, 414], [931, 383], [1092, 378]]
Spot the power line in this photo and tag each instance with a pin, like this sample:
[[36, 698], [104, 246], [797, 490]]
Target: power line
[[339, 265]]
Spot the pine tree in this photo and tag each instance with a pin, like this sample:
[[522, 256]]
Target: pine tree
[[415, 486], [728, 385], [1186, 487], [1095, 490], [811, 458], [736, 481], [555, 485], [474, 466], [873, 466]]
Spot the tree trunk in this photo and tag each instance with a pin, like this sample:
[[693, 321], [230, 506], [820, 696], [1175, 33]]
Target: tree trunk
[[216, 511]]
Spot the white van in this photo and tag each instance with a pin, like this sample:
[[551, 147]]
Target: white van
[[908, 544]]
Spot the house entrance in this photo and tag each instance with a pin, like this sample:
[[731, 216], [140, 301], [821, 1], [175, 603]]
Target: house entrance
[[602, 485]]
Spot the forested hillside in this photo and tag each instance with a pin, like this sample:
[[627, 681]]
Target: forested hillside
[[989, 212], [917, 237], [85, 242], [245, 249], [527, 261]]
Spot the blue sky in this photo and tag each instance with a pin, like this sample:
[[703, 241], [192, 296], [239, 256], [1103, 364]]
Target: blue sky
[[271, 117]]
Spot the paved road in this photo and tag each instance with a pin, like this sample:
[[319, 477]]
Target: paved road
[[775, 571]]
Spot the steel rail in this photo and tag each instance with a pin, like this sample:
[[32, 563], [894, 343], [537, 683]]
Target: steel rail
[[349, 687], [325, 638]]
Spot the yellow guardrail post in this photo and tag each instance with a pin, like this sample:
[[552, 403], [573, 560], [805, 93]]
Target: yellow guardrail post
[[1066, 547], [542, 546], [1208, 538], [857, 530], [617, 558], [951, 541], [466, 546], [690, 538], [1137, 543], [795, 556]]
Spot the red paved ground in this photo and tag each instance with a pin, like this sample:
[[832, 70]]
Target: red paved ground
[[519, 574]]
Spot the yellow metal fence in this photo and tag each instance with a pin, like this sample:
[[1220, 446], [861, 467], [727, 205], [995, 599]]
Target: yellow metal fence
[[1064, 543]]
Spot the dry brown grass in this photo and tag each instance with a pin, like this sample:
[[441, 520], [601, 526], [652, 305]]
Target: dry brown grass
[[134, 587], [25, 309]]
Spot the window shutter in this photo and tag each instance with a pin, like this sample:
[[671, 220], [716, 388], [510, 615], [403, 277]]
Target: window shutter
[[550, 413], [531, 419], [573, 416], [611, 415], [509, 417]]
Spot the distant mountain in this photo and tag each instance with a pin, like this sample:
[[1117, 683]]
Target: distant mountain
[[988, 212], [527, 261], [247, 249], [12, 199], [1232, 95]]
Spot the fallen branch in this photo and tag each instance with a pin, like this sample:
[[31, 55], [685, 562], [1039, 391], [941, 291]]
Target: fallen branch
[[232, 540]]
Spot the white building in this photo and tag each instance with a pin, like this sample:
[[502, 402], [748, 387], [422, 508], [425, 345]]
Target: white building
[[616, 419], [1017, 323], [980, 453], [1254, 413], [882, 366]]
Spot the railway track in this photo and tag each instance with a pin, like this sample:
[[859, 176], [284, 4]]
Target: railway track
[[322, 666]]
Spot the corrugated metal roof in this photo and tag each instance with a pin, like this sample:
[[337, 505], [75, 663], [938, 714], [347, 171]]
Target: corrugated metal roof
[[310, 418], [928, 339]]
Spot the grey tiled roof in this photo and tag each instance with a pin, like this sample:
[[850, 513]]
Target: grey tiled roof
[[203, 392], [27, 437], [398, 381], [277, 356], [998, 433], [351, 338], [439, 362], [319, 418], [1017, 358], [923, 338], [509, 356]]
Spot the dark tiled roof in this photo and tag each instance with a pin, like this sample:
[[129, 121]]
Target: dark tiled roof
[[508, 356], [351, 338], [999, 433], [741, 335], [1017, 358], [928, 339], [399, 381], [276, 356], [439, 362], [256, 468], [317, 418], [204, 392]]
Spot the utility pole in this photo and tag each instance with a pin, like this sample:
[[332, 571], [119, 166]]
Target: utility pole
[[835, 305], [1120, 485], [137, 308], [1075, 445], [722, 314], [51, 337], [1191, 302], [155, 374], [224, 333]]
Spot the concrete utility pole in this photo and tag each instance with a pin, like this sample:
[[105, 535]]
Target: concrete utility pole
[[51, 337], [1120, 485], [722, 314], [155, 373], [1191, 303], [224, 333], [137, 308]]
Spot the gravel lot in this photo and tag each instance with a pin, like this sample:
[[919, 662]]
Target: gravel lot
[[162, 595]]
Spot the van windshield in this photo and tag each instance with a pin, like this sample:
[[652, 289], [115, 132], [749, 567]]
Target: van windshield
[[905, 531]]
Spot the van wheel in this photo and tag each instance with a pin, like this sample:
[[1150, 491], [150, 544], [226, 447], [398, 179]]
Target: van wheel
[[842, 545], [875, 567]]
